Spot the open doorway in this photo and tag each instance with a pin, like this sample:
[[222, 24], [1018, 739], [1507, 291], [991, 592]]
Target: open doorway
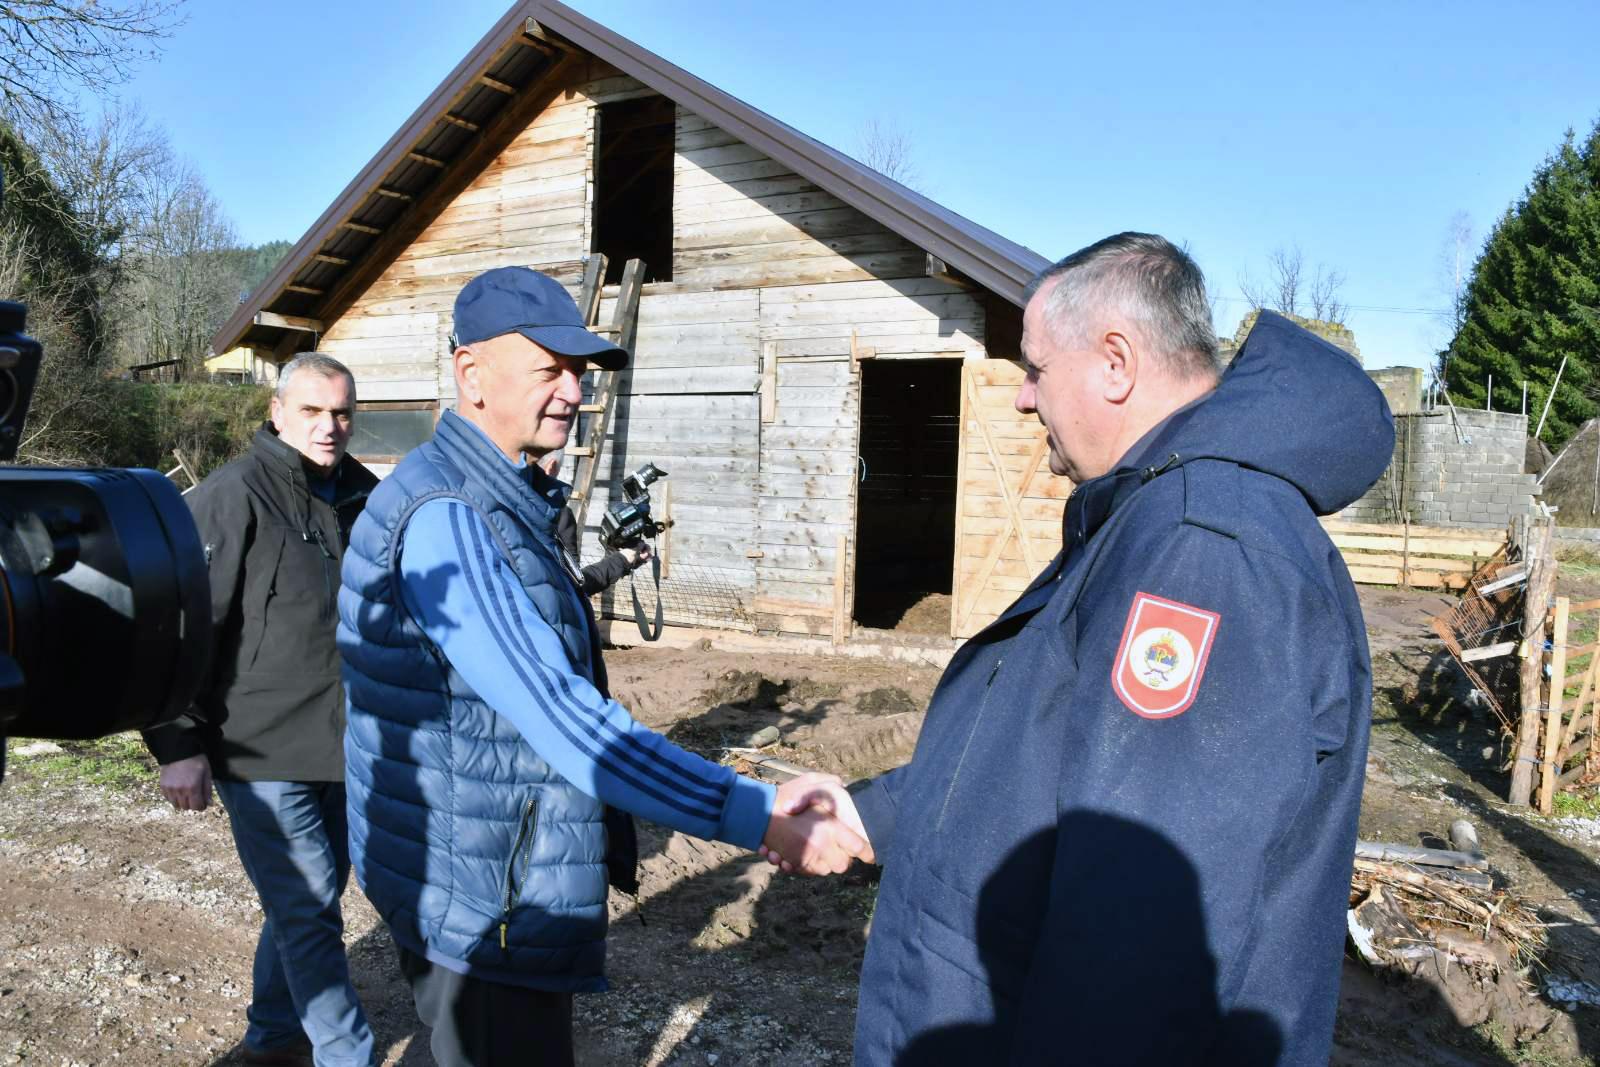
[[906, 502]]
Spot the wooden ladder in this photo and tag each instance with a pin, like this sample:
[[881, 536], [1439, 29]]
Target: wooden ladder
[[622, 332]]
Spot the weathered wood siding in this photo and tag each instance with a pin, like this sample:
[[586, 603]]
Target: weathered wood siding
[[771, 277]]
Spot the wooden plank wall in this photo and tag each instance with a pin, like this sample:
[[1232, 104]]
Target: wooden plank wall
[[765, 263], [992, 564], [528, 207]]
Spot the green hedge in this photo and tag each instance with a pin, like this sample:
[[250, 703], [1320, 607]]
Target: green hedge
[[211, 424]]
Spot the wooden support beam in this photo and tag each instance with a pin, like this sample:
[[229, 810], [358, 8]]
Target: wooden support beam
[[288, 322], [460, 123], [937, 268], [769, 381], [532, 33], [841, 602], [306, 289], [432, 161], [497, 85], [859, 352], [664, 542], [392, 194], [361, 227], [337, 261]]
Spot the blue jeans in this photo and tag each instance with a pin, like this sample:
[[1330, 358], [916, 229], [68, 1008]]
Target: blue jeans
[[292, 840]]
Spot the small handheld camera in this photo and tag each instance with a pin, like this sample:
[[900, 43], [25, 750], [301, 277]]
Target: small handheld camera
[[628, 520]]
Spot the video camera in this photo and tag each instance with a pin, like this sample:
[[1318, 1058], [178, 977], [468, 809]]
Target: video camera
[[105, 605], [628, 520]]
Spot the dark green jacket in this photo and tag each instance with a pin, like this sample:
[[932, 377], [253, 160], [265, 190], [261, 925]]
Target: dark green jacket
[[272, 707]]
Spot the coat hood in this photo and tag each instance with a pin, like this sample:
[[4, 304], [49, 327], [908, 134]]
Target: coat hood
[[1290, 405]]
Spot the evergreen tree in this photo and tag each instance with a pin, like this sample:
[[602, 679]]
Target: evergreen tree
[[1534, 297]]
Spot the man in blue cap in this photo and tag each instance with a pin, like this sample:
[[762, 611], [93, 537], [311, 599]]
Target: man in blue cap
[[482, 748]]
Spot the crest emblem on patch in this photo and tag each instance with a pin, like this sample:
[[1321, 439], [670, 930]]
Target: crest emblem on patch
[[1163, 655]]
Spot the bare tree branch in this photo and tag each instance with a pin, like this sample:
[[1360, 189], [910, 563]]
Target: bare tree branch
[[54, 48], [1289, 289], [1324, 295], [886, 148]]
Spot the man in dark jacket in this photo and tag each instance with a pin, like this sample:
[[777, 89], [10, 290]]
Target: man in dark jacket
[[1126, 834], [268, 726]]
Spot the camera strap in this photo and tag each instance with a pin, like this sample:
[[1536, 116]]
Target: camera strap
[[638, 609]]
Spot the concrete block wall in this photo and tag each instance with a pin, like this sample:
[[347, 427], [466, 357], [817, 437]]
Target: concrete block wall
[[1463, 469]]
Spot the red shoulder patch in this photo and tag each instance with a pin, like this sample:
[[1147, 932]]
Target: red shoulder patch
[[1163, 656]]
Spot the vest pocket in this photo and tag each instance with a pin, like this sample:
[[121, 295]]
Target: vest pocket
[[517, 865]]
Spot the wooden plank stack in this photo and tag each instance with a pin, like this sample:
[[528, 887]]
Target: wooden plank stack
[[1415, 557]]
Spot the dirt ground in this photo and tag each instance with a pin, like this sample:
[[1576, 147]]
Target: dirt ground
[[126, 929]]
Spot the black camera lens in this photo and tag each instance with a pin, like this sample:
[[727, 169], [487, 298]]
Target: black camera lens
[[106, 609]]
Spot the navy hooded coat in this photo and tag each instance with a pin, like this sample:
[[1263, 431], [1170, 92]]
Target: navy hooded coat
[[1077, 873]]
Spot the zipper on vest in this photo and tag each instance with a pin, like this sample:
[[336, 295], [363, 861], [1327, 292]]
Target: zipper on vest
[[521, 849]]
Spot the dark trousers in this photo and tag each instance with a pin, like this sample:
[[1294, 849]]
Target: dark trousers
[[486, 1024]]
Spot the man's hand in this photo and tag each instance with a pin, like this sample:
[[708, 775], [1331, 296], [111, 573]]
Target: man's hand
[[815, 828], [187, 783], [637, 554]]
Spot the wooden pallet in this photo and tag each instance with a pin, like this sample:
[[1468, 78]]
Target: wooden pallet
[[1414, 557]]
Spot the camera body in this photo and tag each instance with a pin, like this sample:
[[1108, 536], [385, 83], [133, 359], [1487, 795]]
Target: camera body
[[628, 520]]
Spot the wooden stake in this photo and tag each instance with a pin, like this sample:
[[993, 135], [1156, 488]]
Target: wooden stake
[[841, 613], [1405, 555], [1541, 580], [1549, 397], [1551, 767]]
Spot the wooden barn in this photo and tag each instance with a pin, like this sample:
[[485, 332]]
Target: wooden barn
[[824, 359]]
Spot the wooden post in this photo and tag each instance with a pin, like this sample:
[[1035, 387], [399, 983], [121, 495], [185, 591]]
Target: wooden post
[[1405, 555], [1550, 768], [769, 382], [664, 546], [1536, 548], [1549, 397], [183, 462], [841, 609]]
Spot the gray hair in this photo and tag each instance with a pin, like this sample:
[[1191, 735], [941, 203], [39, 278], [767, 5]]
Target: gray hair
[[1150, 280], [318, 362]]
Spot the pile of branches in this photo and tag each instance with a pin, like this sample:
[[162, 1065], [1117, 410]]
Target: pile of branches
[[1435, 902]]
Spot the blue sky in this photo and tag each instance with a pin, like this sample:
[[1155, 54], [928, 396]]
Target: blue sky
[[1353, 130]]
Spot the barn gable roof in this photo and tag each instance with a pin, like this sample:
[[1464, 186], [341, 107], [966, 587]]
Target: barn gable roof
[[503, 83]]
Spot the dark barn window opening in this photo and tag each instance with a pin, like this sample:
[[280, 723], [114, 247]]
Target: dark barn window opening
[[385, 430], [906, 501], [633, 186]]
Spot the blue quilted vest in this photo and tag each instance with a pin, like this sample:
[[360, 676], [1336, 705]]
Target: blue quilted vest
[[475, 852]]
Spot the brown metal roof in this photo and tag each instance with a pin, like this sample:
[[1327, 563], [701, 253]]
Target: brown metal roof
[[489, 97]]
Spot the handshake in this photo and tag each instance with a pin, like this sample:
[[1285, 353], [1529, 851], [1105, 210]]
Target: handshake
[[814, 827]]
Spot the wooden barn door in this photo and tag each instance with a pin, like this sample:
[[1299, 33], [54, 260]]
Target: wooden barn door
[[1009, 505]]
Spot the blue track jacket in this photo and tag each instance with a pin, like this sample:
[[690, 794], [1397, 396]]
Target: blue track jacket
[[1126, 834]]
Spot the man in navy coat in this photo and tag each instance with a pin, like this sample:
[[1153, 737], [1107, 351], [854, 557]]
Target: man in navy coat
[[1126, 834]]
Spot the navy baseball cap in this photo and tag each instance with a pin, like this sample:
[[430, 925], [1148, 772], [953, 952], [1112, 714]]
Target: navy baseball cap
[[521, 300]]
